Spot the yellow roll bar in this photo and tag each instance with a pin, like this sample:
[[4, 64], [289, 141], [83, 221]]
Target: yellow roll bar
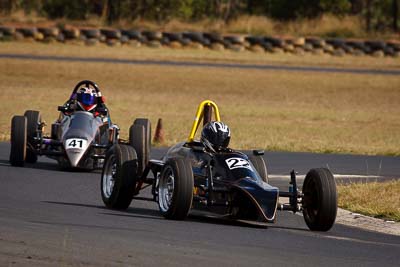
[[200, 116]]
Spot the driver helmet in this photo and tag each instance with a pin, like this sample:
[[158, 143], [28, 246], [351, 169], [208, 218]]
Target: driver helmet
[[216, 135], [87, 98]]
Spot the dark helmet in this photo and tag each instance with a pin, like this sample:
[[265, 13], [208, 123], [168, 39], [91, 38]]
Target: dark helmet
[[216, 134], [87, 98]]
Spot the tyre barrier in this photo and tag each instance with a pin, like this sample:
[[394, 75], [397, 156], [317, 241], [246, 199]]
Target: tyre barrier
[[49, 32], [70, 33], [7, 31], [90, 33], [152, 35], [111, 33], [198, 40]]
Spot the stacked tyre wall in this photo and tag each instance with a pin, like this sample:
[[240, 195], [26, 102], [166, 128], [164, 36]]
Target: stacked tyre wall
[[200, 40]]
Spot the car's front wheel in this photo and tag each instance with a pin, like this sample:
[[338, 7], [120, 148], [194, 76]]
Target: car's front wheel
[[175, 189], [319, 200], [34, 119], [18, 141], [118, 178], [140, 140]]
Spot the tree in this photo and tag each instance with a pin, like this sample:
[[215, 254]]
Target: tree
[[289, 9], [395, 7]]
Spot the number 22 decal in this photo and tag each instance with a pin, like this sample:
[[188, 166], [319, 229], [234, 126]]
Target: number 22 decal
[[234, 163]]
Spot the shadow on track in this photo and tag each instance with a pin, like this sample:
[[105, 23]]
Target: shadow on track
[[75, 204], [48, 166], [143, 213]]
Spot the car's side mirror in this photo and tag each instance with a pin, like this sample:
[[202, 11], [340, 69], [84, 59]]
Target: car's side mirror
[[258, 152], [62, 108], [102, 111], [198, 148]]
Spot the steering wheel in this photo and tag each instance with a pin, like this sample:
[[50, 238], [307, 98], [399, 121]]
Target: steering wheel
[[88, 84]]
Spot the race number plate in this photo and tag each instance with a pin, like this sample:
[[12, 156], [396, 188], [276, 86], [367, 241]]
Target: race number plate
[[75, 143], [234, 163]]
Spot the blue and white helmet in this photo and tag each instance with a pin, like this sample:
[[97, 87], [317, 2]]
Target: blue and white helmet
[[217, 134], [87, 98]]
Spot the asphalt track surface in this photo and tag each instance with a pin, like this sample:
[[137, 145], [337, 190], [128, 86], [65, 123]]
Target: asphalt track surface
[[50, 217], [201, 64]]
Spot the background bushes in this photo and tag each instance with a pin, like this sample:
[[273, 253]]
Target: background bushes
[[379, 15]]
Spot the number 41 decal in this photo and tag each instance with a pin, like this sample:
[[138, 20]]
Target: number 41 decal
[[234, 163], [75, 143]]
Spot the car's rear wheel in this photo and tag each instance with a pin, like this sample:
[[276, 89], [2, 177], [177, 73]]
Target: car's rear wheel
[[175, 189], [319, 200], [18, 141], [34, 119], [140, 140], [259, 163], [118, 178]]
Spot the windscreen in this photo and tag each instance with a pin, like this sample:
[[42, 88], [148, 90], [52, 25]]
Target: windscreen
[[82, 125], [235, 165]]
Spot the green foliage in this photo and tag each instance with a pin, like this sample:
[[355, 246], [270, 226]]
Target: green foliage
[[71, 9], [381, 15], [338, 7], [340, 33], [381, 12], [289, 9]]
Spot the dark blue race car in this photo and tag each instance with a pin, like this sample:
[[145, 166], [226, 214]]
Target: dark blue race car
[[208, 176]]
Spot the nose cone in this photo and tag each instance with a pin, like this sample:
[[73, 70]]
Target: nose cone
[[75, 149], [264, 196]]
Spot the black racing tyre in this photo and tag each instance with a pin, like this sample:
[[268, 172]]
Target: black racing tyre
[[137, 140], [319, 200], [141, 141], [18, 141], [31, 156], [175, 189], [259, 163], [118, 178], [147, 128], [34, 119]]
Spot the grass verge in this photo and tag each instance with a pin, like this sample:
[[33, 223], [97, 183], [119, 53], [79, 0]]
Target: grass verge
[[274, 110], [379, 200], [201, 55]]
